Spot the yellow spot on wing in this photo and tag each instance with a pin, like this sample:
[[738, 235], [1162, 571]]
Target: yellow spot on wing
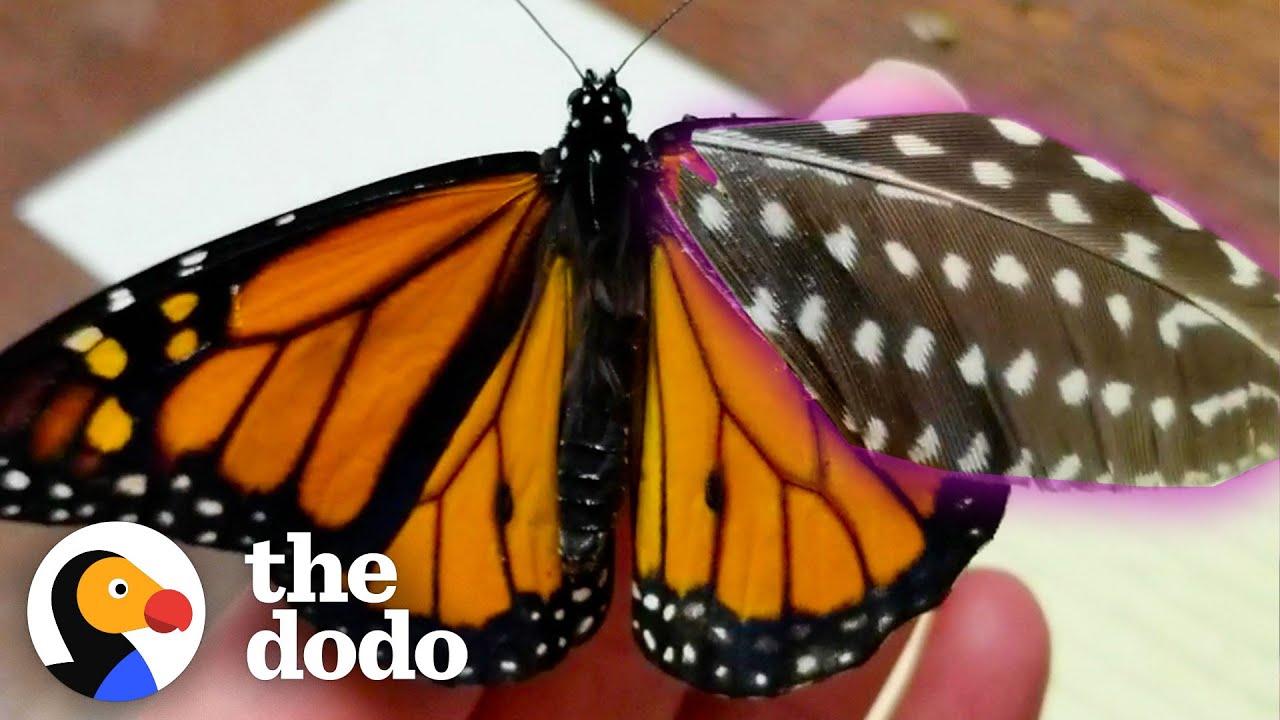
[[83, 339], [182, 345], [107, 359], [110, 427], [178, 307]]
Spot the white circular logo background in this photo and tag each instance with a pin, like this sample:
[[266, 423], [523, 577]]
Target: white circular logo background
[[160, 558]]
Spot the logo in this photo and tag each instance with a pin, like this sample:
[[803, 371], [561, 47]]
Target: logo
[[116, 611]]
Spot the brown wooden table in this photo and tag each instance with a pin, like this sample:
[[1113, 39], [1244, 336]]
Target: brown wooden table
[[1182, 93]]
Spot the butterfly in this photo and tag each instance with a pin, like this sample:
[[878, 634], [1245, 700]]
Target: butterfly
[[795, 346]]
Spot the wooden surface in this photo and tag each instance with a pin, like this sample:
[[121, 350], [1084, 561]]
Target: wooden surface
[[1173, 91]]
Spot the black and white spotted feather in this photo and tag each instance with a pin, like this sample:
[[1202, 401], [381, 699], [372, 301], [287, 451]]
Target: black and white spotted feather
[[965, 293]]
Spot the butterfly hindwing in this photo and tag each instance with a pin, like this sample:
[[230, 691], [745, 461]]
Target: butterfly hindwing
[[769, 552], [963, 292]]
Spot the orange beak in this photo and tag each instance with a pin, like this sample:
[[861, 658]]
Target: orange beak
[[168, 610]]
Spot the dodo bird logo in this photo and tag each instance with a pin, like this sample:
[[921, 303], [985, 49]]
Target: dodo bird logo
[[116, 611]]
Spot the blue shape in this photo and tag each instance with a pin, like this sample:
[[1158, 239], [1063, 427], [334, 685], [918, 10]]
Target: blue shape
[[130, 679]]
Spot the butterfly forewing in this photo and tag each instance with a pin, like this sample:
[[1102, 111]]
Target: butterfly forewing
[[381, 369], [962, 292]]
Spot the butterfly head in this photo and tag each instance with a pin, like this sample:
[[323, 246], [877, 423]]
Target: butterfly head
[[597, 133], [599, 102]]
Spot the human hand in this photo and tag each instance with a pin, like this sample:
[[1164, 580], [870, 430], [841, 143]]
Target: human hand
[[986, 654]]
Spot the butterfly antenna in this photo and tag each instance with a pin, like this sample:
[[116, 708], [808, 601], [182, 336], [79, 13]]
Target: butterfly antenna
[[550, 37], [670, 16]]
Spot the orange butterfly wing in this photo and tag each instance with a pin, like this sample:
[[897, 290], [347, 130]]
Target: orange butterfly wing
[[389, 382], [770, 552]]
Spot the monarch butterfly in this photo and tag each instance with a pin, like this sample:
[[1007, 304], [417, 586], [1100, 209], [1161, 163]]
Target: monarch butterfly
[[463, 367]]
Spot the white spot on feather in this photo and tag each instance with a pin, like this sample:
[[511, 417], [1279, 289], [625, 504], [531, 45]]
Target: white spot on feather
[[1121, 312], [1074, 387], [876, 434], [776, 220], [897, 192], [992, 173], [1139, 254], [1163, 411], [763, 310], [1021, 373], [1066, 468], [1009, 271], [843, 246], [918, 349], [913, 145], [977, 455], [1182, 315], [1097, 169], [926, 447], [957, 271], [812, 319], [1067, 209], [901, 257], [851, 126], [973, 366], [1175, 214], [1017, 132], [712, 212], [1067, 283], [1244, 272], [868, 340], [1117, 396]]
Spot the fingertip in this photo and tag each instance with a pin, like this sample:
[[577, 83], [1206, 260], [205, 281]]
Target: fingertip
[[893, 86], [987, 654]]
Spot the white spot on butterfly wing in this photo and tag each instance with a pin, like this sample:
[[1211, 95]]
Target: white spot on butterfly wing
[[1244, 272], [1097, 169], [119, 299], [83, 340], [913, 145], [763, 310], [1017, 132], [193, 258], [812, 319], [1175, 214], [843, 246], [15, 480], [1067, 209], [901, 257], [285, 219], [776, 219], [992, 173], [133, 485]]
